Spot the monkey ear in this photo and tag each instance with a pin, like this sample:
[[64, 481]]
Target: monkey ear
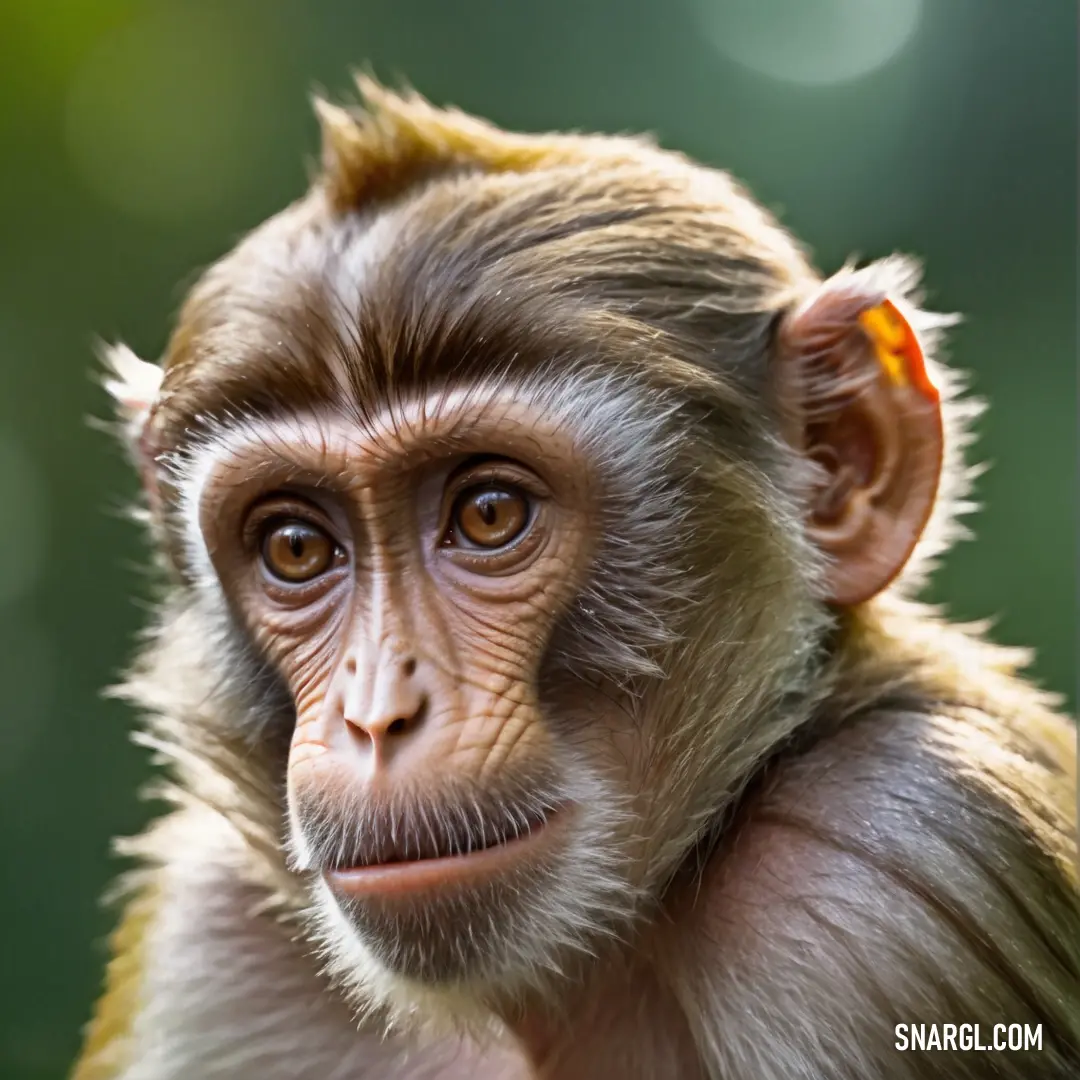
[[859, 404], [134, 385]]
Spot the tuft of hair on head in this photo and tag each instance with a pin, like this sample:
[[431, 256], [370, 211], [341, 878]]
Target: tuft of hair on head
[[394, 140]]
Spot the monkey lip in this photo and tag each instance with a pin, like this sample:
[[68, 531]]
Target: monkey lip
[[425, 873]]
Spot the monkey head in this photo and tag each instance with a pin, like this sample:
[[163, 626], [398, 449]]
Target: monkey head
[[524, 479]]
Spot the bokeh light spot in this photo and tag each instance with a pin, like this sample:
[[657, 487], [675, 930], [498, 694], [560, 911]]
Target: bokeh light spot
[[158, 113], [811, 42]]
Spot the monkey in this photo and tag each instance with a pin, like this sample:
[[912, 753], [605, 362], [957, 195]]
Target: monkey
[[539, 680]]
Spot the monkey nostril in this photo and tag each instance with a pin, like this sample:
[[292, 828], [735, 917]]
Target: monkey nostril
[[409, 667], [350, 665], [401, 725], [376, 729]]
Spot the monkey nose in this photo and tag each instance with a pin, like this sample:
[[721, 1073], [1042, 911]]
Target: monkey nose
[[396, 707]]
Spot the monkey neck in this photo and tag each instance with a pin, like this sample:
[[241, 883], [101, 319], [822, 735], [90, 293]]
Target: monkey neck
[[622, 1019], [899, 653]]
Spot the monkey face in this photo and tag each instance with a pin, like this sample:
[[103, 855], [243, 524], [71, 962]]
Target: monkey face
[[459, 499], [461, 801]]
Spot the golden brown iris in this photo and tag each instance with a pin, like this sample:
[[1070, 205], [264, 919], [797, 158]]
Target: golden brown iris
[[295, 551], [490, 516]]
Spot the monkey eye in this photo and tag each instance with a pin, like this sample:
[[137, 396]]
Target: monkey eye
[[488, 516], [296, 551]]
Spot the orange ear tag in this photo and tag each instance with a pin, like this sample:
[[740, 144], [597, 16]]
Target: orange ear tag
[[898, 349]]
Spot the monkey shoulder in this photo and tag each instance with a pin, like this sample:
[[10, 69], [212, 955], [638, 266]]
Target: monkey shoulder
[[911, 867]]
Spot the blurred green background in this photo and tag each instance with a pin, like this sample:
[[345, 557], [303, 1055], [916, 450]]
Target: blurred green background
[[139, 139]]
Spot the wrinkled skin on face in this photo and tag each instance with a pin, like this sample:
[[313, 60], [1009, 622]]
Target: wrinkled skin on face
[[405, 589]]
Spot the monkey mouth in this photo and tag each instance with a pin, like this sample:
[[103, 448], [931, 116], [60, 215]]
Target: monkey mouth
[[433, 858]]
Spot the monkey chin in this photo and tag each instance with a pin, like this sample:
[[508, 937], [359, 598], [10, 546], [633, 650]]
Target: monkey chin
[[472, 933]]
